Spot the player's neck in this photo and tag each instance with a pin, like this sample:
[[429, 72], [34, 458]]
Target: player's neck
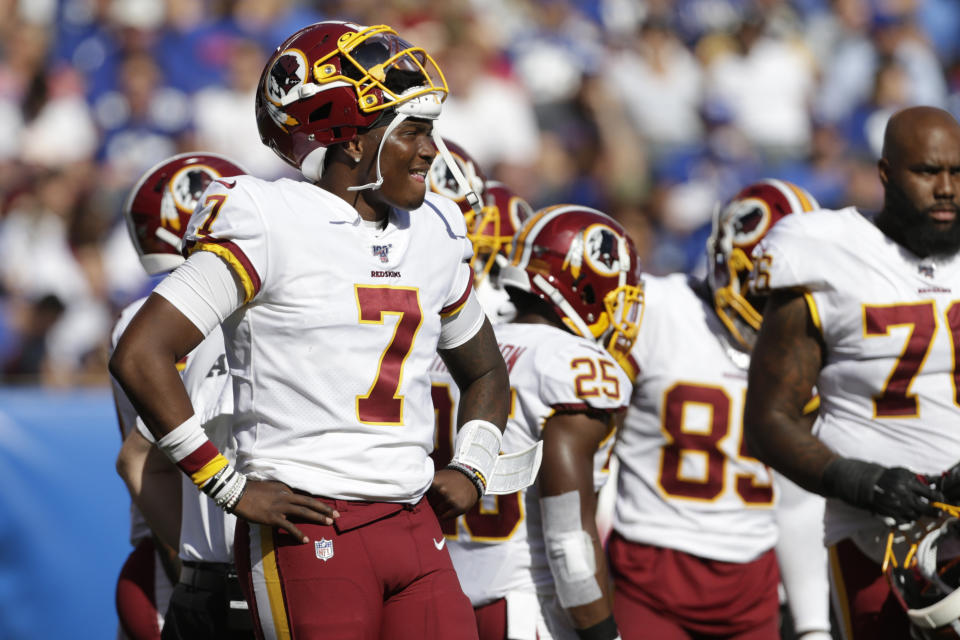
[[531, 317]]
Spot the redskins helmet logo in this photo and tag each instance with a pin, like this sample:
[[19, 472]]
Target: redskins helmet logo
[[185, 189], [288, 73], [749, 220], [443, 182], [599, 246], [602, 249]]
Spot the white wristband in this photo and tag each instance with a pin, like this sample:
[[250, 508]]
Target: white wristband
[[184, 440], [477, 447]]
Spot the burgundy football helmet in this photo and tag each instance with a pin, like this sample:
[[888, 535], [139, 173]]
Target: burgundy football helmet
[[922, 564], [332, 79], [501, 214], [443, 181], [492, 234], [160, 205], [581, 262], [737, 228]]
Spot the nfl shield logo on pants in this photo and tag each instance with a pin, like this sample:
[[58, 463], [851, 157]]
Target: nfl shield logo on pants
[[324, 548]]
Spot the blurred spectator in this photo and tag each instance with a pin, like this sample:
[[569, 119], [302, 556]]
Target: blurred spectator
[[824, 173], [44, 254], [766, 82], [661, 85], [487, 111], [269, 22], [223, 115], [143, 122], [891, 92], [94, 36], [193, 48], [865, 39]]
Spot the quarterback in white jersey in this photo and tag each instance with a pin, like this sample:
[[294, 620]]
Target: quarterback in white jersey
[[157, 212], [561, 380], [334, 295], [866, 310], [694, 521]]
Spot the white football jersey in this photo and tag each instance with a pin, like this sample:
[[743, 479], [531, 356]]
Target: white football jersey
[[342, 319], [891, 324], [685, 480], [206, 531], [497, 547]]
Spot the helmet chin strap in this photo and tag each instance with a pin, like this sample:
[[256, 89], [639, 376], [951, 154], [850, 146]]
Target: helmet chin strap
[[390, 127], [461, 179], [427, 107]]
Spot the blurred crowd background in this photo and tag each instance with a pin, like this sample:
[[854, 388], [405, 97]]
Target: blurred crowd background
[[654, 111]]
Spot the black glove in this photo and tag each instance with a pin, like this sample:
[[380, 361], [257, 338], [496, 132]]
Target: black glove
[[887, 491], [948, 483]]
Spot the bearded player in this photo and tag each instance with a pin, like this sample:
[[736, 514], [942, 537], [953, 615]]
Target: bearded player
[[865, 309]]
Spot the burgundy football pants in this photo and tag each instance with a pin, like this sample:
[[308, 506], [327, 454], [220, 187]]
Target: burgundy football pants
[[143, 593], [866, 607], [381, 571], [665, 594]]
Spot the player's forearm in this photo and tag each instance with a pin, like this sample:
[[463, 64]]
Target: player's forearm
[[784, 369], [144, 364], [159, 501], [783, 442], [479, 370], [595, 612], [568, 509]]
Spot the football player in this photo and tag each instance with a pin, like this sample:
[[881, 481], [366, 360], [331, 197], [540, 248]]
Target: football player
[[866, 311], [491, 230], [157, 212], [532, 562], [336, 293], [692, 550]]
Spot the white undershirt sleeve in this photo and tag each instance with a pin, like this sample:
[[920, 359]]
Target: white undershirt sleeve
[[459, 327], [203, 289]]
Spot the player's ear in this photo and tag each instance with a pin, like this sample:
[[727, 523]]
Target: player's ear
[[353, 149], [883, 167]]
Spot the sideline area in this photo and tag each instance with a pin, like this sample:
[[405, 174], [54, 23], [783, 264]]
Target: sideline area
[[64, 514]]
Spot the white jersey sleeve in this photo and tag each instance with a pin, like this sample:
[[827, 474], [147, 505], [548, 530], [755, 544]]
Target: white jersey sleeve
[[231, 224], [889, 321]]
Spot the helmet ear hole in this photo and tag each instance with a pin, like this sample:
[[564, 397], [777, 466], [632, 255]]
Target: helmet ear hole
[[588, 295], [320, 113]]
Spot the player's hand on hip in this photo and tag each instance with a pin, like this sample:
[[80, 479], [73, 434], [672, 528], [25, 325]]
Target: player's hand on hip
[[273, 503], [451, 494]]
